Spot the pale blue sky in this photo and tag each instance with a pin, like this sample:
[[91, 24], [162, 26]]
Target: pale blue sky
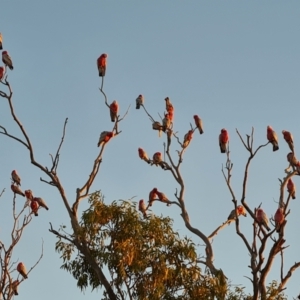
[[235, 63]]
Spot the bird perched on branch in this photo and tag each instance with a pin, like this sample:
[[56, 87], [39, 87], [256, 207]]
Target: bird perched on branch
[[166, 122], [289, 139], [291, 158], [157, 159], [291, 188], [17, 190], [139, 101], [187, 138], [14, 287], [240, 210], [223, 140], [114, 109], [2, 72], [41, 202], [7, 60], [157, 126], [101, 64], [162, 197], [142, 208], [169, 105], [262, 218], [15, 177], [1, 41], [279, 219], [152, 196], [272, 138], [105, 136], [22, 270], [199, 123], [34, 205], [143, 155]]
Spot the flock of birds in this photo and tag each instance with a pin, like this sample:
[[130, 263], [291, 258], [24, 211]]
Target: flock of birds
[[166, 126]]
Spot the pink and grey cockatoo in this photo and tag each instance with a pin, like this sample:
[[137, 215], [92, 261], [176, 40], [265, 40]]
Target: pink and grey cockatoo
[[17, 190], [223, 140], [279, 219], [22, 270], [157, 159], [169, 105], [157, 126], [262, 218], [29, 195], [14, 287], [114, 109], [291, 158], [289, 139], [34, 205], [41, 202], [291, 188], [240, 210], [1, 41], [143, 208], [187, 138], [105, 136], [152, 196], [2, 72], [15, 177], [163, 198], [101, 64], [139, 101], [166, 122], [199, 124], [272, 138], [7, 60], [143, 155]]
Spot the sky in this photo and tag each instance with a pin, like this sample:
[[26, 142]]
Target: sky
[[235, 64]]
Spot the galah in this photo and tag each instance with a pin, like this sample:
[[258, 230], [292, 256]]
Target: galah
[[262, 218], [41, 202], [114, 109], [169, 105], [142, 208], [152, 196], [272, 138], [166, 122], [1, 41], [199, 123], [291, 158], [157, 126], [17, 190], [187, 138], [14, 287], [143, 155], [2, 72], [22, 270], [279, 218], [240, 210], [15, 177], [157, 158], [139, 101], [171, 115], [29, 195], [105, 136], [101, 64], [7, 60], [289, 139], [34, 207], [298, 167], [163, 198], [291, 188], [223, 140]]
